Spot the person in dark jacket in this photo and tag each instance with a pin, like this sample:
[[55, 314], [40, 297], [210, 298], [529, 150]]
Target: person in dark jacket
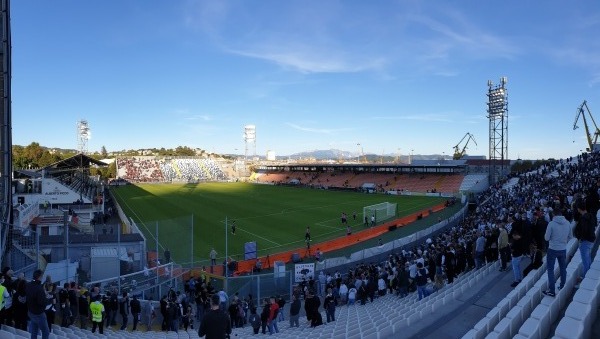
[[84, 309], [19, 305], [518, 248], [295, 311], [264, 316], [215, 323], [136, 310], [254, 320], [36, 305], [124, 310], [585, 232]]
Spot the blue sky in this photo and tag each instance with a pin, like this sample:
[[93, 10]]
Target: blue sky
[[394, 76]]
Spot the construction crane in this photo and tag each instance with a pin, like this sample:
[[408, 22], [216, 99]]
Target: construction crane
[[458, 152], [592, 140]]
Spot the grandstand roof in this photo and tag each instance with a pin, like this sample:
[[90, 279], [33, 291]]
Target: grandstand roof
[[78, 160]]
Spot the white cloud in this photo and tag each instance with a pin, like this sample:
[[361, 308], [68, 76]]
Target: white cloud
[[419, 117], [318, 130]]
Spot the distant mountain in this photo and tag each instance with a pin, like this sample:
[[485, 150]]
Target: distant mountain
[[324, 154], [335, 154]]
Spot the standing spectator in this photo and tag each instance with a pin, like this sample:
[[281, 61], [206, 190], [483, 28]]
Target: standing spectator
[[273, 312], [343, 291], [186, 317], [97, 310], [84, 308], [215, 324], [585, 233], [281, 304], [264, 316], [254, 320], [65, 309], [114, 307], [36, 304], [421, 281], [224, 298], [19, 305], [351, 295], [503, 247], [295, 311], [480, 251], [538, 230], [4, 298], [124, 310], [106, 301], [149, 314], [518, 249], [73, 291], [558, 233], [329, 304], [136, 310], [51, 302]]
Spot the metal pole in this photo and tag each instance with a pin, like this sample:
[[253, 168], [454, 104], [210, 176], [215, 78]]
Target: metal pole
[[66, 239], [156, 260], [119, 254], [226, 255], [192, 249], [37, 248]]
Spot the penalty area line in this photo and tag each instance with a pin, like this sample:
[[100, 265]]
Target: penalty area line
[[258, 236]]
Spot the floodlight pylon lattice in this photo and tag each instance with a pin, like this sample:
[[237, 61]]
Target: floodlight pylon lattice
[[497, 113], [249, 139], [83, 135]]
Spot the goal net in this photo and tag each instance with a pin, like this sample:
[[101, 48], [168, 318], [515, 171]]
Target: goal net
[[382, 212]]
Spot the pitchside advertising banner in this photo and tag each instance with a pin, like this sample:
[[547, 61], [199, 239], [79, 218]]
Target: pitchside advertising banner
[[304, 272]]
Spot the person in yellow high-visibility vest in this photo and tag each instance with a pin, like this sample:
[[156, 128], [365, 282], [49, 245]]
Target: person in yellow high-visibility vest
[[97, 311]]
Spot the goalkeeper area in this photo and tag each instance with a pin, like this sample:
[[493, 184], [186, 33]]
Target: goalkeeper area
[[379, 213]]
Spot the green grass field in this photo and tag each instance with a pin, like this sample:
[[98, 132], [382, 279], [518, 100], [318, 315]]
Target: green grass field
[[274, 216]]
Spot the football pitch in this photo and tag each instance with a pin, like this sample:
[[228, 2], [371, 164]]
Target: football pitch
[[275, 217]]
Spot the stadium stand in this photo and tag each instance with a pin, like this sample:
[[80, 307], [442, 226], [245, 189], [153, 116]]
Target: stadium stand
[[155, 169]]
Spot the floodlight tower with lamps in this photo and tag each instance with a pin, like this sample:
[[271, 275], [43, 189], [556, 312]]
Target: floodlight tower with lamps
[[249, 139], [83, 135], [497, 110]]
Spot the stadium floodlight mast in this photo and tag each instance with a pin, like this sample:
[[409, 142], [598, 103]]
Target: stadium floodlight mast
[[497, 111], [83, 135], [249, 139]]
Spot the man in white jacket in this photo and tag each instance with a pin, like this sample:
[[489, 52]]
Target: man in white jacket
[[558, 234]]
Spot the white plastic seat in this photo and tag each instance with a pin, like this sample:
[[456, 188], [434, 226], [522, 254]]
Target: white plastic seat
[[6, 334], [530, 328], [570, 328], [502, 330]]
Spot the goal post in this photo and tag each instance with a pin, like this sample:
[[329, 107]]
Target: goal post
[[383, 212]]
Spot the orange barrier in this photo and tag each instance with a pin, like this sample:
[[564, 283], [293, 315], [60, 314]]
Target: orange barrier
[[246, 266]]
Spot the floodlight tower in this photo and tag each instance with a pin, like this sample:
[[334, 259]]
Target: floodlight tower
[[83, 135], [497, 111], [249, 139]]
